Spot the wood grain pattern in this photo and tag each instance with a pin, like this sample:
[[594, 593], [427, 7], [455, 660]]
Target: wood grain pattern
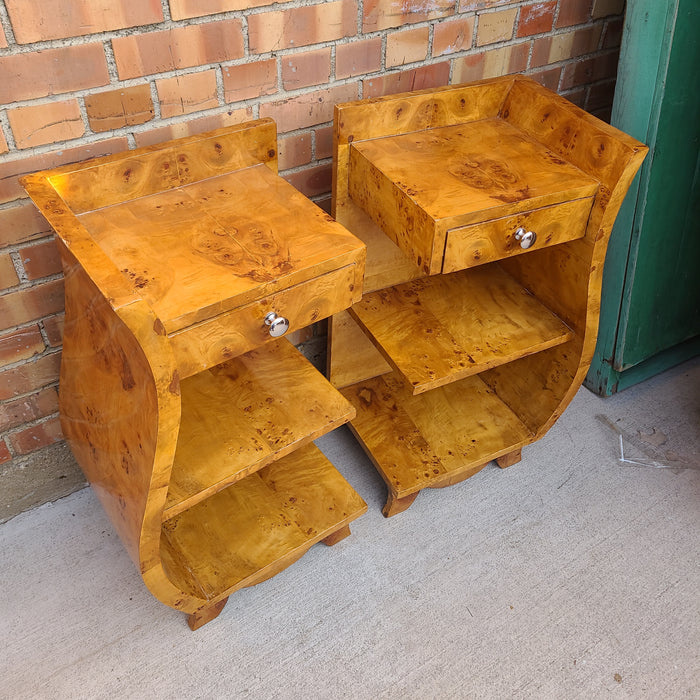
[[245, 414], [396, 178], [407, 112], [167, 239], [235, 332], [416, 186], [494, 240], [200, 250], [355, 357], [251, 530], [122, 177], [434, 439], [440, 329]]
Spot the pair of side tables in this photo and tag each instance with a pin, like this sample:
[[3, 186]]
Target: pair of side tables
[[461, 274]]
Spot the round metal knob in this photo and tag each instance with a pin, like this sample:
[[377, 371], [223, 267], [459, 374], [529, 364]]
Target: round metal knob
[[526, 238], [279, 325]]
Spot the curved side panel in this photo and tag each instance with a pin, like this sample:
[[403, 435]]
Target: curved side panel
[[120, 410]]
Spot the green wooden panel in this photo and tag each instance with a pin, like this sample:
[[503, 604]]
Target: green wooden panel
[[661, 299], [650, 288]]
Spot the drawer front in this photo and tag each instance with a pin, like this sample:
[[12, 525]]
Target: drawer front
[[230, 334], [493, 240]]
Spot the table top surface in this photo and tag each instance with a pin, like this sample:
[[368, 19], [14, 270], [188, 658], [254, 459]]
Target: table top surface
[[476, 170], [203, 248]]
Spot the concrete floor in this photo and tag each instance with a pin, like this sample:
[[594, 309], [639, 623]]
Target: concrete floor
[[573, 574]]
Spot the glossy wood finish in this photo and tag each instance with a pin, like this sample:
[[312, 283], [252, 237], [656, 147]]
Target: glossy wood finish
[[434, 439], [494, 240], [200, 454], [449, 187], [441, 329], [487, 169], [239, 416]]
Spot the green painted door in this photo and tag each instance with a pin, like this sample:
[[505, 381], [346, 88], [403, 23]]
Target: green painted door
[[650, 313]]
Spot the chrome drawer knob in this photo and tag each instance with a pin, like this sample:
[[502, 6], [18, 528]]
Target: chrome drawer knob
[[526, 238], [279, 325]]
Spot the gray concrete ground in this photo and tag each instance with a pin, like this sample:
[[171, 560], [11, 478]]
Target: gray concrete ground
[[573, 574]]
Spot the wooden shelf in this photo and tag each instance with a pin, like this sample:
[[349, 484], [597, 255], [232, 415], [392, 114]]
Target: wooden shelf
[[253, 529], [433, 439], [244, 414], [441, 329]]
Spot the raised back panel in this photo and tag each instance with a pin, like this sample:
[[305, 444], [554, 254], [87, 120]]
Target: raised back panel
[[154, 169]]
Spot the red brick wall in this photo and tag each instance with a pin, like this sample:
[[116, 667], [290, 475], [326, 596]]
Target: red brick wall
[[81, 78]]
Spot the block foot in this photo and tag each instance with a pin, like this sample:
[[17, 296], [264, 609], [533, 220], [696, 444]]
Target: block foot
[[338, 535], [508, 460], [395, 505], [197, 619]]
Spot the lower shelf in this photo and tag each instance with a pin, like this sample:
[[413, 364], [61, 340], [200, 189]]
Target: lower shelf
[[433, 439], [258, 526]]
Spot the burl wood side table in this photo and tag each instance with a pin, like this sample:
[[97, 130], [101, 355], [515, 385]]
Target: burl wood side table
[[191, 416], [486, 209]]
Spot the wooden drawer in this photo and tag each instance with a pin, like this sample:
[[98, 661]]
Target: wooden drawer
[[492, 240], [232, 333]]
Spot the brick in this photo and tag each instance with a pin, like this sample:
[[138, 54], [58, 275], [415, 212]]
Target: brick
[[115, 109], [471, 5], [250, 80], [21, 223], [30, 377], [190, 127], [590, 71], [560, 47], [605, 8], [294, 151], [48, 123], [324, 142], [184, 94], [3, 141], [573, 12], [61, 19], [41, 260], [301, 26], [358, 58], [186, 9], [433, 75], [305, 69], [407, 46], [536, 18], [453, 36], [3, 38], [52, 72], [600, 96], [309, 109], [577, 96], [613, 34], [385, 14], [28, 408], [8, 274], [549, 78], [53, 326], [37, 436], [20, 345], [490, 64], [11, 170], [312, 181], [178, 48], [31, 303], [495, 26], [5, 455]]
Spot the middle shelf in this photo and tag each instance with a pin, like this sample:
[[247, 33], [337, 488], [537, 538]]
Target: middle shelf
[[242, 415], [440, 329]]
